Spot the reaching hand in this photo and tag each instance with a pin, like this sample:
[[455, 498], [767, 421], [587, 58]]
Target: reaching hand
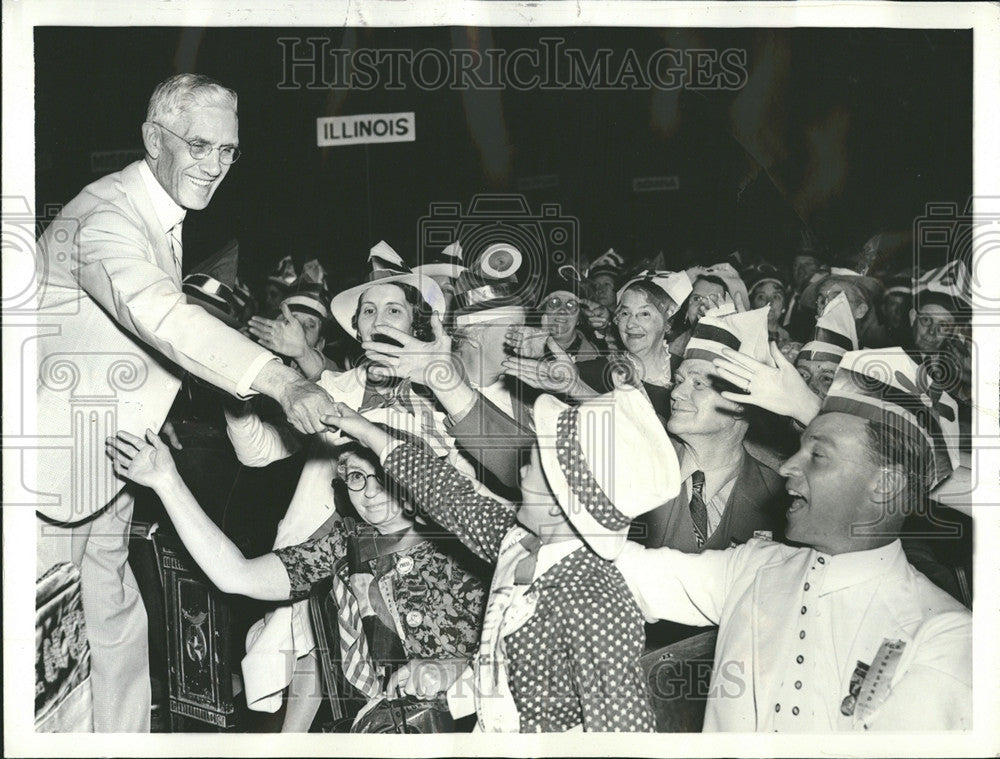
[[354, 424], [527, 342], [597, 314], [305, 404], [421, 362], [284, 336], [145, 462], [779, 388], [556, 374]]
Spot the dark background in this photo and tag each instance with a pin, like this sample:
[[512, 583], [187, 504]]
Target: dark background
[[841, 132]]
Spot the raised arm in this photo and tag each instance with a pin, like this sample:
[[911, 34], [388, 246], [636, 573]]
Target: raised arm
[[148, 462]]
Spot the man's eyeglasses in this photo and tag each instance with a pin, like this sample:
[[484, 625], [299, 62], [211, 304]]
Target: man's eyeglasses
[[929, 322], [358, 481], [199, 149]]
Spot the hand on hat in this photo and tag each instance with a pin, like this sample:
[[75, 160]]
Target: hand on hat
[[527, 342], [283, 336], [413, 359], [779, 388]]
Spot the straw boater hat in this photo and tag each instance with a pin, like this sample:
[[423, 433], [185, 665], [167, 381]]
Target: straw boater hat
[[309, 298], [446, 263], [607, 461], [948, 286], [835, 333], [677, 285], [387, 268], [886, 385], [214, 296], [724, 327]]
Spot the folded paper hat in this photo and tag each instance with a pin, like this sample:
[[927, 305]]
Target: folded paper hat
[[948, 286], [214, 296], [387, 269], [724, 327], [445, 263], [284, 274], [309, 298], [607, 461], [677, 285], [886, 385], [609, 262], [835, 333]]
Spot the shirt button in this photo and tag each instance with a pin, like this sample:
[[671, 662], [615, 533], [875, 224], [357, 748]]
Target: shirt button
[[821, 560], [803, 611], [806, 587], [802, 634], [798, 685], [414, 618], [795, 710], [777, 707], [800, 658]]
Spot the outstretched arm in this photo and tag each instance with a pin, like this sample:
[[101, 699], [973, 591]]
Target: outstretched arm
[[148, 462]]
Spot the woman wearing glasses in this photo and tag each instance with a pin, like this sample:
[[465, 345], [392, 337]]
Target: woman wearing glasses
[[409, 612]]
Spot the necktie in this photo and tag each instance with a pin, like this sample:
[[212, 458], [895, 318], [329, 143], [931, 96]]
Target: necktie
[[524, 572], [699, 512], [174, 235]]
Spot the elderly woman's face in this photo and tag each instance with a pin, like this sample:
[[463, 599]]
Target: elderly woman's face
[[383, 305], [640, 324], [769, 294]]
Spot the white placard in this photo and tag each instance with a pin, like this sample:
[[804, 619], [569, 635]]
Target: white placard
[[364, 128]]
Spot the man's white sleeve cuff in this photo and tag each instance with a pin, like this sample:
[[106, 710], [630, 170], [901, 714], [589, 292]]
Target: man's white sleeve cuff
[[243, 390]]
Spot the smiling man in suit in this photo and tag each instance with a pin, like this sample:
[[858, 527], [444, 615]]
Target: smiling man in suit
[[116, 335], [838, 632], [728, 494]]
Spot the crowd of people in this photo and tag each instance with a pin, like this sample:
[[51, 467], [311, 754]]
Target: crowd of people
[[517, 472]]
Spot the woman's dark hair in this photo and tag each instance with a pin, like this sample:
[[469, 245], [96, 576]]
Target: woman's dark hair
[[342, 498], [421, 327]]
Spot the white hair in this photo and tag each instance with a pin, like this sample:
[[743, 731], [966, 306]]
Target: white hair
[[183, 91]]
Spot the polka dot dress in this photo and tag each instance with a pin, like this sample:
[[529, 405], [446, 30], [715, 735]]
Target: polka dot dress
[[576, 661]]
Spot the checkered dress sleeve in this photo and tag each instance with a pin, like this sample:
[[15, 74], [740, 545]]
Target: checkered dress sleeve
[[309, 562], [438, 490]]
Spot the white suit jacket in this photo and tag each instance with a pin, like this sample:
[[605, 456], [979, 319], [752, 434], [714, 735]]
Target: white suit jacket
[[114, 338], [793, 625]]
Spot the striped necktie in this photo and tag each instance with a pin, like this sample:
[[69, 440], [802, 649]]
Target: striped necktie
[[699, 512]]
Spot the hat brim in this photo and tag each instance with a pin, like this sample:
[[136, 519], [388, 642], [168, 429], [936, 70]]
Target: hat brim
[[607, 544], [345, 304], [871, 286]]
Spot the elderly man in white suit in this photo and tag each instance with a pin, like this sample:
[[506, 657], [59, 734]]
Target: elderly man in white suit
[[115, 337], [840, 633]]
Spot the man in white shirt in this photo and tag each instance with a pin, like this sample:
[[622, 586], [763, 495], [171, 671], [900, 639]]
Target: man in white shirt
[[116, 335], [840, 633]]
